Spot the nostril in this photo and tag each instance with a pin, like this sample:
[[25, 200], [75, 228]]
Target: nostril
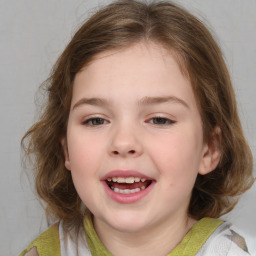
[[115, 152]]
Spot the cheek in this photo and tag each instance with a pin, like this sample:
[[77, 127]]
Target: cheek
[[84, 152], [85, 158], [178, 155]]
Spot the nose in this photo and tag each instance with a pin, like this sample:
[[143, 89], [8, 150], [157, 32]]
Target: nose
[[125, 142]]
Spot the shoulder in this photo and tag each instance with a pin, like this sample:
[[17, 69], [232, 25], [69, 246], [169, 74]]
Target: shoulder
[[211, 237], [47, 244], [224, 241]]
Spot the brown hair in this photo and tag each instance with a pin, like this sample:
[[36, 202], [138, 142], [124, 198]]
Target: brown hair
[[121, 24]]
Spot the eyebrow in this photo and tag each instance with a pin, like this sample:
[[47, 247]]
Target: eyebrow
[[92, 102], [162, 99], [142, 102]]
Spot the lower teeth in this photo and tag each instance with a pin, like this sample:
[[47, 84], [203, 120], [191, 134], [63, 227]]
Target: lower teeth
[[127, 191]]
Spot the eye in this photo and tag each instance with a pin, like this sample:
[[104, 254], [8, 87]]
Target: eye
[[95, 121], [161, 121]]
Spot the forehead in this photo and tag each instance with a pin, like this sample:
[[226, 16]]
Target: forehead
[[141, 67], [153, 48]]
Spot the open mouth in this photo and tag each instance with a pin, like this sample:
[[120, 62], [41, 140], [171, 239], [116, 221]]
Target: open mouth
[[127, 185]]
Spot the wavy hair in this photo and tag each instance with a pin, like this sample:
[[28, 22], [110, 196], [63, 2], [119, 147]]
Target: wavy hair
[[118, 25]]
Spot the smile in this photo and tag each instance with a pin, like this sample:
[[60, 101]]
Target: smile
[[127, 185]]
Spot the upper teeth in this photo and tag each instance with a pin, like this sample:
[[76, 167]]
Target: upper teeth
[[126, 180]]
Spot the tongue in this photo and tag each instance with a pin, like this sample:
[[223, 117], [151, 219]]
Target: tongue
[[129, 186]]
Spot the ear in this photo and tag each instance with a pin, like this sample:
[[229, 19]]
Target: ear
[[211, 153], [65, 151]]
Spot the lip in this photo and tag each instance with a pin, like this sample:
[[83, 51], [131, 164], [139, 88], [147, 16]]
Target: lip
[[127, 198], [125, 174]]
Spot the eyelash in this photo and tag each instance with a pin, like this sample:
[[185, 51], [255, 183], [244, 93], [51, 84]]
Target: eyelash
[[159, 121], [89, 122]]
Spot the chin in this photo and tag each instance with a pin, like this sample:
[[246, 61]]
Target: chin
[[128, 223], [129, 227]]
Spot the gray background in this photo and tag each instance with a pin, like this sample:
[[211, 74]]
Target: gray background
[[32, 35]]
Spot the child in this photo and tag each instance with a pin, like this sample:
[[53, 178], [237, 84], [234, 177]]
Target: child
[[140, 149]]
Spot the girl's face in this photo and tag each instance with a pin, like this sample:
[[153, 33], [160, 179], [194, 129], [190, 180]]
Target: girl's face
[[134, 139]]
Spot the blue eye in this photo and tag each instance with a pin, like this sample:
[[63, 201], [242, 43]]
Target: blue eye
[[95, 121], [161, 121]]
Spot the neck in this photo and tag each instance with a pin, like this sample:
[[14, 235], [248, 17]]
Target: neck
[[160, 240]]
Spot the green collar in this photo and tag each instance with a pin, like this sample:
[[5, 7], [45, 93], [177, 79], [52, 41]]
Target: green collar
[[189, 245], [196, 237], [96, 246]]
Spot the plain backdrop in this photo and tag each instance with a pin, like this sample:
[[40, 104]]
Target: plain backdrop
[[32, 35]]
